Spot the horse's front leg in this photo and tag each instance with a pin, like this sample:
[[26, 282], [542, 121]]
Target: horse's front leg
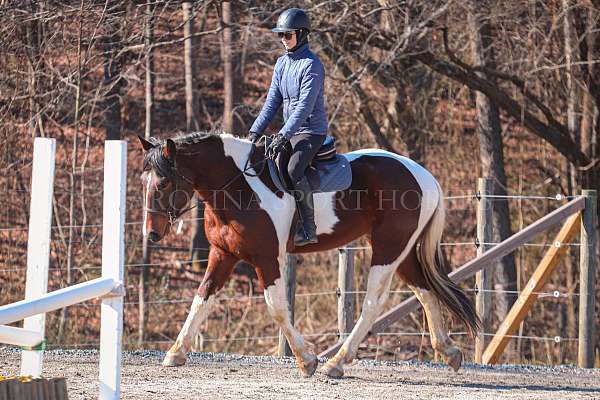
[[277, 304], [220, 265]]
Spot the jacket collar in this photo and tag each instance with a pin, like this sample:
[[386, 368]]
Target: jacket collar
[[300, 52]]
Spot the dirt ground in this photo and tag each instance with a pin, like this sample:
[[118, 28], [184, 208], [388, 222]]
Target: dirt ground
[[228, 376]]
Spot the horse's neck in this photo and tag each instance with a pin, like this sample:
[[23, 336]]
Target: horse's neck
[[213, 157], [236, 149]]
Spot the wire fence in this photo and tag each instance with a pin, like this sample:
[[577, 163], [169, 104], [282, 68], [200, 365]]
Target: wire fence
[[128, 223], [99, 267], [474, 196], [556, 294], [243, 298], [224, 299], [137, 344]]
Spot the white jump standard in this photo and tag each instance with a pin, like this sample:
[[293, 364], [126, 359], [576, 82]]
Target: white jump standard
[[109, 287]]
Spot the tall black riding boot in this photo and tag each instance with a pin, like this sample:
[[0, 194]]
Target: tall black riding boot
[[306, 230]]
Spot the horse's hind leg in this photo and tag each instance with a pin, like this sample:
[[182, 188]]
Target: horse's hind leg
[[411, 273], [439, 337], [277, 304], [220, 265], [378, 286]]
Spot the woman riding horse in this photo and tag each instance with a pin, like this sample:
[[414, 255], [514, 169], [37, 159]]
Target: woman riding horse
[[297, 83], [392, 201]]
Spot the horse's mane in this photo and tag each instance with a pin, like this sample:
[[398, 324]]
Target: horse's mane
[[183, 139], [195, 137], [155, 159]]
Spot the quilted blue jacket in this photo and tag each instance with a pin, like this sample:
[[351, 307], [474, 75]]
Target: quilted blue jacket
[[298, 84]]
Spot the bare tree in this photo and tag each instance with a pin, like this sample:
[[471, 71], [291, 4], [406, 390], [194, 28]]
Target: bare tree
[[232, 76], [587, 25], [198, 242], [112, 44], [34, 29], [569, 311], [73, 172], [149, 102], [491, 154], [191, 99]]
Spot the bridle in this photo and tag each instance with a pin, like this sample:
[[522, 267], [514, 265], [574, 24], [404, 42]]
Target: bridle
[[171, 212], [173, 175]]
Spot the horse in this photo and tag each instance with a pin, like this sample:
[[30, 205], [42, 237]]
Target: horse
[[393, 201]]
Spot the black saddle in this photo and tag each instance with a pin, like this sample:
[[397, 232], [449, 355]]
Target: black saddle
[[328, 172]]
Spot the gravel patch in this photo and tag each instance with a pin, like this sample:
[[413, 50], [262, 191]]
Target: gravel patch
[[230, 376]]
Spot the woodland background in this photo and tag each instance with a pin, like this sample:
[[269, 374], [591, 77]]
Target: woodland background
[[505, 89]]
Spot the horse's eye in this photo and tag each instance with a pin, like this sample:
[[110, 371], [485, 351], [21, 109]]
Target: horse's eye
[[162, 184]]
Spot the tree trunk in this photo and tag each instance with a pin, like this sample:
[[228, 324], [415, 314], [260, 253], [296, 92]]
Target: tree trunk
[[198, 243], [589, 53], [491, 156], [73, 177], [229, 83], [571, 92], [191, 108], [401, 120], [150, 85], [571, 173], [34, 33], [112, 70]]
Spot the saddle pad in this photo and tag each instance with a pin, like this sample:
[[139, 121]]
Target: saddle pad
[[330, 176]]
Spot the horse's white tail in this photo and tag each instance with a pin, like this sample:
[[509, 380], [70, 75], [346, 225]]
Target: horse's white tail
[[432, 263]]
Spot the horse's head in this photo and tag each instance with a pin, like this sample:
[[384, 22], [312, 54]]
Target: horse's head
[[167, 190]]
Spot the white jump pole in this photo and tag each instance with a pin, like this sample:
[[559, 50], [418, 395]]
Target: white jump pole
[[38, 244], [20, 336], [113, 257], [58, 299]]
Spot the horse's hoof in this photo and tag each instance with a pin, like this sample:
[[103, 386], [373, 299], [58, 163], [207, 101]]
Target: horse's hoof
[[332, 370], [310, 366], [174, 360], [454, 358]]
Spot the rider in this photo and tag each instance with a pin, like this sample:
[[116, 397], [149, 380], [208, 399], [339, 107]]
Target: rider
[[298, 84]]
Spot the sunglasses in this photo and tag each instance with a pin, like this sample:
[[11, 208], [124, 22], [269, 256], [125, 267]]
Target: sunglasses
[[286, 35]]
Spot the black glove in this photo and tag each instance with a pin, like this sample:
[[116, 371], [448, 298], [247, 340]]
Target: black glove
[[276, 146], [254, 137]]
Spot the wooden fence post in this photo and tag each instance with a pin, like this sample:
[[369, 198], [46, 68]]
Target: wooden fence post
[[289, 277], [345, 292], [587, 281], [483, 278]]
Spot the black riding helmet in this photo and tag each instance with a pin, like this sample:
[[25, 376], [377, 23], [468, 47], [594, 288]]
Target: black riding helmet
[[294, 19]]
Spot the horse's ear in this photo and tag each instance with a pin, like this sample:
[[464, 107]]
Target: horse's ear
[[169, 151], [146, 145]]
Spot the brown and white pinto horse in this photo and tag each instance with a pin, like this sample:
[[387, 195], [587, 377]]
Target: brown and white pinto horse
[[394, 201]]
